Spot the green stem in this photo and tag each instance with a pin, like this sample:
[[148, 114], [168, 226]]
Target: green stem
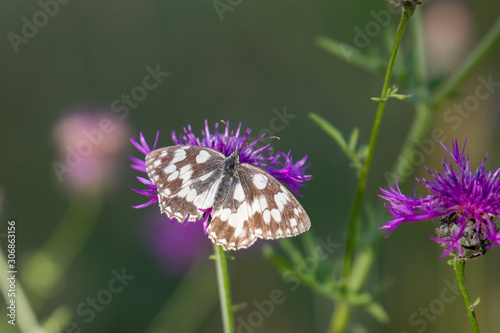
[[224, 289], [26, 319], [62, 247], [340, 318], [361, 270], [479, 52], [424, 116], [458, 265], [343, 310], [353, 222]]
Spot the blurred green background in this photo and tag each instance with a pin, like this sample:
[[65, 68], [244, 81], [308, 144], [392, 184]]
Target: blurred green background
[[258, 58]]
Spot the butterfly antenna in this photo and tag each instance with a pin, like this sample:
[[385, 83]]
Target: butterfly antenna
[[269, 137]]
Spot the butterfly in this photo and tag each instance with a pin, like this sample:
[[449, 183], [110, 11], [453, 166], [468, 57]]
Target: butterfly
[[247, 202]]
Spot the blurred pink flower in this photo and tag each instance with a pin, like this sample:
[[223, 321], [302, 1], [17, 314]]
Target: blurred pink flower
[[90, 144], [448, 28]]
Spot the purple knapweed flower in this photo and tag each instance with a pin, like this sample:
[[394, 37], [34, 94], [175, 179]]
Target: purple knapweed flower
[[467, 202], [279, 165]]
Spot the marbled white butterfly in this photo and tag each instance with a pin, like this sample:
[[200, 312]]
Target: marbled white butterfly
[[247, 202]]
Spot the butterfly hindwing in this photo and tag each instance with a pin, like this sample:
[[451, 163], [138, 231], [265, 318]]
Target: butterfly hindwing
[[187, 178], [256, 206], [230, 226], [275, 212]]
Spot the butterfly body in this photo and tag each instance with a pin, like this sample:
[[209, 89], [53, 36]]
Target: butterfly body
[[231, 163], [247, 202], [229, 167]]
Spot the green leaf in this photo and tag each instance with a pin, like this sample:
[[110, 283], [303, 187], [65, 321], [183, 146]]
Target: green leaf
[[400, 96], [351, 55], [361, 268], [392, 90], [377, 312], [291, 250], [308, 243], [281, 264], [353, 140], [330, 130], [239, 307], [361, 299], [336, 135]]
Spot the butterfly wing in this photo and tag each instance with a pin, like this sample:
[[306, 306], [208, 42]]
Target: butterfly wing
[[257, 206], [187, 178], [230, 225]]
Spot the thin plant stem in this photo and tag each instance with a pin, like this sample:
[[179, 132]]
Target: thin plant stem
[[62, 246], [224, 289], [360, 190], [458, 265], [26, 319], [341, 318], [343, 311], [424, 116]]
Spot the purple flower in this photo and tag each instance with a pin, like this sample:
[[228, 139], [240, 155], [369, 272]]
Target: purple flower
[[279, 165], [140, 165], [467, 202]]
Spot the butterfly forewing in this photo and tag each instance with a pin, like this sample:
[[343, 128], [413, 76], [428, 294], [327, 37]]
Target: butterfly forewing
[[187, 178]]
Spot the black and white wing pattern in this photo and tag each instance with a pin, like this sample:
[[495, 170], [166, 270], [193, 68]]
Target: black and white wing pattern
[[247, 202], [258, 206], [187, 178]]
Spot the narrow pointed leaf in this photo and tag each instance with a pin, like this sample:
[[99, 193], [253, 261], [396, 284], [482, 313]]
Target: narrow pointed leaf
[[351, 55], [330, 130], [377, 312], [353, 140]]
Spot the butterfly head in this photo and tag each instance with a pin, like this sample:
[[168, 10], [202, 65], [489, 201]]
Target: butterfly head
[[231, 163]]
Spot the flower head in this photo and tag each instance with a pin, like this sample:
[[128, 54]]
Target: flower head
[[468, 202], [279, 165], [90, 144]]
